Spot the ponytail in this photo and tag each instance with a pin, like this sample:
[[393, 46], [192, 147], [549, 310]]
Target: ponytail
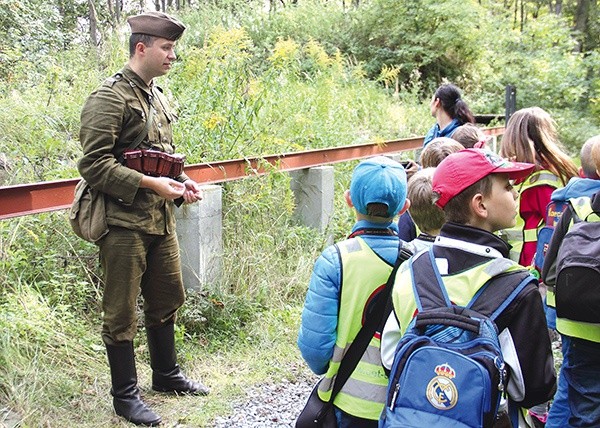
[[452, 103], [462, 112]]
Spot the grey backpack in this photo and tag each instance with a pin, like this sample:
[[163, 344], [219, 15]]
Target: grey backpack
[[578, 266]]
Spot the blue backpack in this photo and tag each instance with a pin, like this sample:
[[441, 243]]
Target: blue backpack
[[448, 368]]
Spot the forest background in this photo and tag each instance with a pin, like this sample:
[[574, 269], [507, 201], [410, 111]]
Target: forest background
[[253, 78]]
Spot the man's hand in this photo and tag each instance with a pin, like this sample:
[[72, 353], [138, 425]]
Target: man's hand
[[411, 168], [164, 186], [192, 192]]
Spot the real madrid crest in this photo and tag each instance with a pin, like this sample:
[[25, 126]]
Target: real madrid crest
[[441, 391]]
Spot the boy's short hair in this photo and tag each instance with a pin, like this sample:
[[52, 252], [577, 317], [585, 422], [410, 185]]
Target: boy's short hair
[[378, 180], [463, 169], [426, 215], [437, 150], [596, 154], [588, 165], [455, 211], [469, 136]]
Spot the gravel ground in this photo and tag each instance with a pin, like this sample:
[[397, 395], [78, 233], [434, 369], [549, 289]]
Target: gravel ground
[[271, 405], [278, 404]]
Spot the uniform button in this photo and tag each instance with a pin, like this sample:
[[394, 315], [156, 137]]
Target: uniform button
[[159, 125]]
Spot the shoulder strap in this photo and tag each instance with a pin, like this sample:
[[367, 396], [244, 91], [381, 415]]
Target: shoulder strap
[[144, 132], [499, 292], [490, 300], [373, 319], [428, 287]]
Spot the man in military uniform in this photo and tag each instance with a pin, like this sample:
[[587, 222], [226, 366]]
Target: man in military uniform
[[140, 253]]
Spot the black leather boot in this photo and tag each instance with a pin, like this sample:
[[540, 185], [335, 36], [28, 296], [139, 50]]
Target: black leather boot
[[126, 395], [166, 374]]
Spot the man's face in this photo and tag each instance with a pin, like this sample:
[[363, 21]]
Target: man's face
[[159, 57]]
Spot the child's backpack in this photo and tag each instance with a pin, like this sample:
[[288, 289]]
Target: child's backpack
[[578, 266], [554, 211], [448, 368]]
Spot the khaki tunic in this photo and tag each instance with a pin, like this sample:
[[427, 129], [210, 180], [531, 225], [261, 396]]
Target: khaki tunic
[[111, 119]]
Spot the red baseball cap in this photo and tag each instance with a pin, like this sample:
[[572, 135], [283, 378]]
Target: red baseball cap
[[465, 168]]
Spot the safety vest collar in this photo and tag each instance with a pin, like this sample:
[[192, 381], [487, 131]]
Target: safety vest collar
[[482, 250]]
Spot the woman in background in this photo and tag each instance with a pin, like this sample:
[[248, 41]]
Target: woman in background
[[450, 112]]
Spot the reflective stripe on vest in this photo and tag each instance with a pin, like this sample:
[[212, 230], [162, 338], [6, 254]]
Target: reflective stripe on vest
[[518, 234], [363, 394], [583, 330]]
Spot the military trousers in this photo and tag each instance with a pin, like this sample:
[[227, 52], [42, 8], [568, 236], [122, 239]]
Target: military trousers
[[135, 263]]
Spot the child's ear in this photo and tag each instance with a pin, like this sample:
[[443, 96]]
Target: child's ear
[[478, 206], [348, 199]]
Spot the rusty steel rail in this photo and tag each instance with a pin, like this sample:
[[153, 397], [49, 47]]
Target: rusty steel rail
[[26, 199]]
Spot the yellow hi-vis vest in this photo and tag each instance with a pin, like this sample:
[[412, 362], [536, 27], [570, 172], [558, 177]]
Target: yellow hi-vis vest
[[364, 274], [583, 330], [517, 235], [460, 286]]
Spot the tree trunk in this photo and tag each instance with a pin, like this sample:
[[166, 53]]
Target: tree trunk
[[111, 13], [522, 14], [118, 6], [582, 14], [558, 7], [93, 24]]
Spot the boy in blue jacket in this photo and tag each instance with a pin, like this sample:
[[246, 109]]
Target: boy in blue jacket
[[345, 279]]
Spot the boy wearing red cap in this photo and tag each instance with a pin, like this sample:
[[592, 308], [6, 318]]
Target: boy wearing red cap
[[474, 189]]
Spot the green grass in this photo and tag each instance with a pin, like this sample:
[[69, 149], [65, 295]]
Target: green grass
[[64, 380]]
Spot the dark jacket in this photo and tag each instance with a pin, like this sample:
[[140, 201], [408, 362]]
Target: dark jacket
[[524, 335]]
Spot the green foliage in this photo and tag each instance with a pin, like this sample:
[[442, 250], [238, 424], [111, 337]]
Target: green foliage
[[308, 20], [43, 348], [544, 67], [30, 30], [39, 117], [439, 39], [301, 98]]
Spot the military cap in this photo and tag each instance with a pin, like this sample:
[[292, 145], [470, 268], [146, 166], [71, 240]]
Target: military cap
[[156, 24]]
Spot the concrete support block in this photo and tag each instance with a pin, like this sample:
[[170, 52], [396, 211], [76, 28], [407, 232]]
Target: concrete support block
[[199, 230], [314, 194]]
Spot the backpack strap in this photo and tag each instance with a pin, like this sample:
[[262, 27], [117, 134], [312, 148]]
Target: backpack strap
[[499, 292], [582, 208], [490, 300], [428, 287]]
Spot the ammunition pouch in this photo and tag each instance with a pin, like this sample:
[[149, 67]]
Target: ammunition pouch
[[154, 162]]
